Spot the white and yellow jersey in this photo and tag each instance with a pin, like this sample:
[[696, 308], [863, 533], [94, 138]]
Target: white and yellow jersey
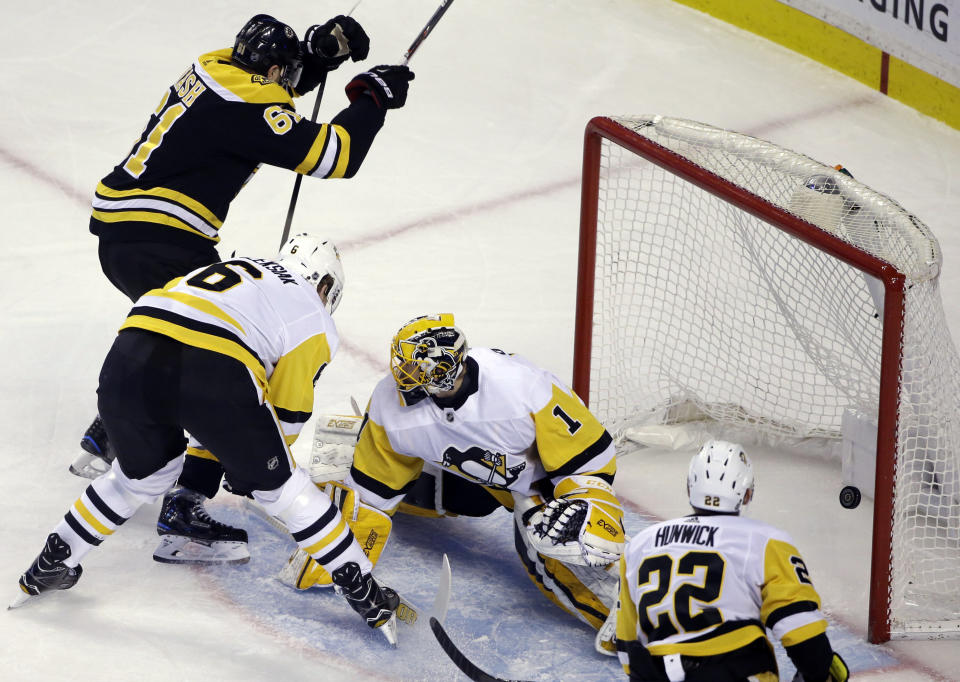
[[706, 585], [257, 312], [511, 427]]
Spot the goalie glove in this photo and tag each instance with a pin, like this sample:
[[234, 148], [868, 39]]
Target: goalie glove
[[583, 524]]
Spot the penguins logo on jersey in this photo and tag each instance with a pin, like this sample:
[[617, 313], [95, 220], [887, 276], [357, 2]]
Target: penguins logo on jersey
[[488, 468]]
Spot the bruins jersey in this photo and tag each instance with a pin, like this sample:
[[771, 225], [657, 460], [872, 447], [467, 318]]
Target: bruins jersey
[[707, 585], [511, 427], [255, 311], [210, 132]]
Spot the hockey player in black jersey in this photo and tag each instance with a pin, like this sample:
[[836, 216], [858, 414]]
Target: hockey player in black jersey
[[158, 213]]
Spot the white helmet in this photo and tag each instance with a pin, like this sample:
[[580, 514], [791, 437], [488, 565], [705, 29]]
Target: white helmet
[[315, 258], [720, 477]]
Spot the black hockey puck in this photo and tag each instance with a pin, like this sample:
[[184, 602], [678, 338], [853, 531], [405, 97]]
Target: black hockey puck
[[850, 497]]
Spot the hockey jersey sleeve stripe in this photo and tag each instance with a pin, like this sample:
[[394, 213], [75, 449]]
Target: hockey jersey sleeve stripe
[[789, 610], [799, 628], [575, 464], [343, 158], [317, 151], [179, 198], [103, 508], [150, 217]]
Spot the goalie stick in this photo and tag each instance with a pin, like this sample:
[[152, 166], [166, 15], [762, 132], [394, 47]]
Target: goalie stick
[[437, 615]]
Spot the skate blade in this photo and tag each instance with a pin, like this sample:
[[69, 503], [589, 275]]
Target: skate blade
[[22, 598], [179, 549], [389, 630], [88, 466]]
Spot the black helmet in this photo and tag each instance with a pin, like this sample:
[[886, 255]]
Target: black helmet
[[264, 42]]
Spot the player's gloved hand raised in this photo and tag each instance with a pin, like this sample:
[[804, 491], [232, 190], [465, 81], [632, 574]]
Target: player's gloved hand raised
[[387, 85], [328, 45]]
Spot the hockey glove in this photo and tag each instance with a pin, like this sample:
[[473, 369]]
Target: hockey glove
[[328, 45], [583, 524], [374, 603], [387, 85], [838, 671]]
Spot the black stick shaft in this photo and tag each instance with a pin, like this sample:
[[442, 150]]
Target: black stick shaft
[[415, 45], [296, 184]]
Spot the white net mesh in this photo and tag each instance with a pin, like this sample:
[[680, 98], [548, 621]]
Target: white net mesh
[[702, 309]]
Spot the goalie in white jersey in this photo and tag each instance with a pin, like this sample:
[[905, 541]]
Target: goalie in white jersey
[[230, 353], [698, 593], [497, 424]]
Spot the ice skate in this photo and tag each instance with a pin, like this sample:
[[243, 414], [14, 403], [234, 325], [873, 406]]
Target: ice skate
[[190, 536], [377, 605], [48, 572], [97, 456]]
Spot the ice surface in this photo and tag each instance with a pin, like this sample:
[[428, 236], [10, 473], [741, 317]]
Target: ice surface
[[467, 203]]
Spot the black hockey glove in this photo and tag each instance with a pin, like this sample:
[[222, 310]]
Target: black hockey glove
[[387, 85], [328, 45]]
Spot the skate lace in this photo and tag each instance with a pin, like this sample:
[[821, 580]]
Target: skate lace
[[200, 513]]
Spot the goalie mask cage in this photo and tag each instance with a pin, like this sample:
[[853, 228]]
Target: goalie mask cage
[[726, 277]]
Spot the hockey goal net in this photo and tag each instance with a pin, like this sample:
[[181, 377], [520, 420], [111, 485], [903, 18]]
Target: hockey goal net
[[724, 278]]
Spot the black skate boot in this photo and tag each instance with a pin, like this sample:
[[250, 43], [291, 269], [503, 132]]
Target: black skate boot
[[48, 572], [190, 536], [375, 604], [97, 456]]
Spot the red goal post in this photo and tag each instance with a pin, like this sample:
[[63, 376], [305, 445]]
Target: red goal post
[[723, 268]]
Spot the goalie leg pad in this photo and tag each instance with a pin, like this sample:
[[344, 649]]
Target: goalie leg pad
[[313, 521], [370, 526], [586, 592]]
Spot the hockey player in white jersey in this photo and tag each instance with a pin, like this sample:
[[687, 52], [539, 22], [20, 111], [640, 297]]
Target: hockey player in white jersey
[[697, 593], [503, 427], [230, 353]]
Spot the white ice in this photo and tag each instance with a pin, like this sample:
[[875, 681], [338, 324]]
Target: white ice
[[468, 202]]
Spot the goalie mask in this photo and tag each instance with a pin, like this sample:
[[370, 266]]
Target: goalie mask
[[428, 352], [264, 42], [316, 260], [720, 478]]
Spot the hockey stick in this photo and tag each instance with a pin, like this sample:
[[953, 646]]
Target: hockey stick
[[434, 20], [299, 179], [437, 614]]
